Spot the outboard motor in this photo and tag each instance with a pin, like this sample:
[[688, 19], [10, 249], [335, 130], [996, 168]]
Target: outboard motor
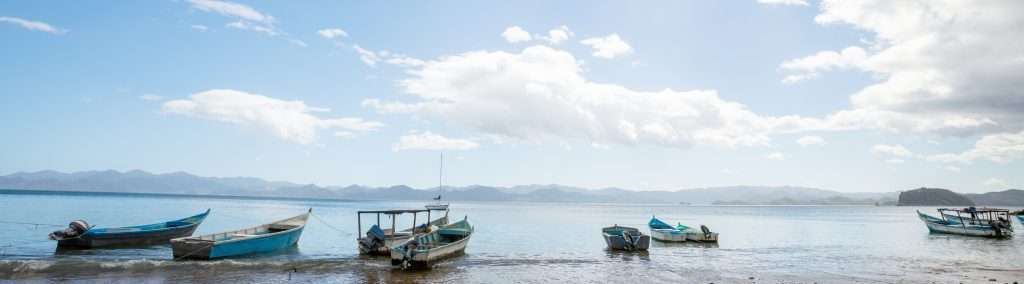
[[75, 229], [707, 232]]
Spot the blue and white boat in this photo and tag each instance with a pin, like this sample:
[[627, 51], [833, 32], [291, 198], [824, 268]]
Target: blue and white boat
[[978, 222], [424, 250], [80, 234], [662, 231], [260, 239]]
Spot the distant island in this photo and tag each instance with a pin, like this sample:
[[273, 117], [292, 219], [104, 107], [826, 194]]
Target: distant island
[[943, 197], [182, 183]]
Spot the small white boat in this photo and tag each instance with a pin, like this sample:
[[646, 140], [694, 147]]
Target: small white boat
[[978, 222], [379, 240], [424, 250], [625, 238], [662, 231]]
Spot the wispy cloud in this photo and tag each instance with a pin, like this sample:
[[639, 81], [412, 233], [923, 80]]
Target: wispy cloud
[[151, 97], [775, 156], [431, 141], [32, 25], [232, 9], [810, 141], [332, 33], [784, 2], [290, 120]]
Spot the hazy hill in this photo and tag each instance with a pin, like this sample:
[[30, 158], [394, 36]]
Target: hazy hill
[[185, 183], [1010, 197], [933, 197]]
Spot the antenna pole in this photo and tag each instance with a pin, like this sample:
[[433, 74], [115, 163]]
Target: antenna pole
[[440, 175]]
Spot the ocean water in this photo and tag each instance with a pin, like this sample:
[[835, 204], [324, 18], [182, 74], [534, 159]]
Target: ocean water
[[516, 243]]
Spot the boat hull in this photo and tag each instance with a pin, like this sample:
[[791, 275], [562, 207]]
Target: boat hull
[[392, 240], [260, 239], [936, 225], [615, 240], [429, 258], [458, 234], [382, 250], [694, 235], [668, 235], [134, 236]]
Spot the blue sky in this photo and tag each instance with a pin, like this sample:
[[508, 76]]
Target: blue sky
[[865, 96]]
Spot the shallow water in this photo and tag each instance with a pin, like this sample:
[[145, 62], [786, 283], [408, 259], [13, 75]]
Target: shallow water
[[516, 242]]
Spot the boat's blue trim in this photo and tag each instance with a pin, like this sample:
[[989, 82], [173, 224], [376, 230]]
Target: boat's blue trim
[[146, 229]]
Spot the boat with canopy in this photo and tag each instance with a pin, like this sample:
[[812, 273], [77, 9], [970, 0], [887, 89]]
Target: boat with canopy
[[379, 240], [971, 221]]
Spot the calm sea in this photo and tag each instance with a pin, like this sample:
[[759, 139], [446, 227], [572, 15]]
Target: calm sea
[[517, 242]]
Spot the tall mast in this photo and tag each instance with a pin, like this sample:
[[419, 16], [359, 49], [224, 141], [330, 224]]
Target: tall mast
[[440, 175]]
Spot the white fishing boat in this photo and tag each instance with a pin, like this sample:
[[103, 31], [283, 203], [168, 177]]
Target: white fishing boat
[[979, 222], [662, 231], [379, 239], [625, 238], [425, 250]]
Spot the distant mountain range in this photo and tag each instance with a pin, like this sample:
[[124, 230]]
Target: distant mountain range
[[184, 183], [944, 197]]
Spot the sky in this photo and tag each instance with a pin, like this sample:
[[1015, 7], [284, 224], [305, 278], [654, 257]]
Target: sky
[[854, 96]]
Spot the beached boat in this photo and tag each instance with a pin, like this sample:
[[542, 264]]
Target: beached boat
[[625, 238], [80, 234], [260, 239], [378, 240], [980, 222], [424, 250], [662, 231]]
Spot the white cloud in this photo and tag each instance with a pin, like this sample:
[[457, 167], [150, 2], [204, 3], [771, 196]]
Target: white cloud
[[249, 19], [999, 148], [954, 169], [895, 161], [558, 35], [540, 94], [784, 2], [810, 141], [941, 67], [290, 120], [516, 34], [431, 141], [332, 33], [298, 42], [32, 25], [608, 47], [367, 56], [201, 28], [895, 150], [151, 97], [996, 183], [246, 26], [775, 156], [232, 9], [810, 66]]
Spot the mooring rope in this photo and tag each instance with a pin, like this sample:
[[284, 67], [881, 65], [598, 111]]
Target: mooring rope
[[31, 224], [328, 224]]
